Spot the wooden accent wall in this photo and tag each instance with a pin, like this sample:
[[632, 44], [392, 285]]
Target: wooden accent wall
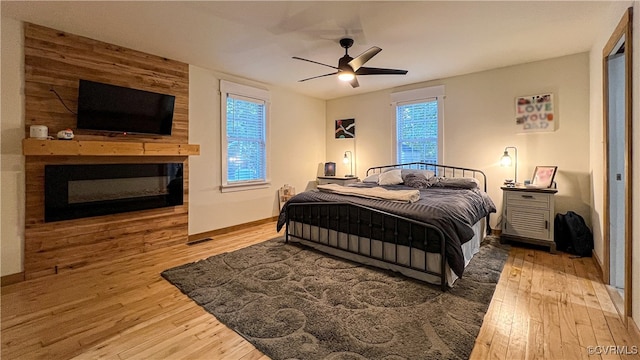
[[57, 60]]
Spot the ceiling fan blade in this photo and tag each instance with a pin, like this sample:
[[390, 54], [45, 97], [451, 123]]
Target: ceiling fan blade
[[359, 60], [379, 71], [354, 83], [319, 76], [315, 62]]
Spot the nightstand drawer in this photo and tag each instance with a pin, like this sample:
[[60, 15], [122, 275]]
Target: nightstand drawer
[[528, 200]]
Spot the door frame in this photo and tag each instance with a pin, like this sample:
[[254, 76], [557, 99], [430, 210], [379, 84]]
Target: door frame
[[622, 29]]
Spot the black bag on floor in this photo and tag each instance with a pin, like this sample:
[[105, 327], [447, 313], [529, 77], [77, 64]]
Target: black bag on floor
[[572, 235]]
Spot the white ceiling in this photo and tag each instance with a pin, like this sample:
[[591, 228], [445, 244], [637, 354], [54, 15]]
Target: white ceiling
[[256, 40]]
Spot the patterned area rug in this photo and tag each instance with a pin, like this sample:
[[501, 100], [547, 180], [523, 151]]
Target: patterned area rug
[[292, 302]]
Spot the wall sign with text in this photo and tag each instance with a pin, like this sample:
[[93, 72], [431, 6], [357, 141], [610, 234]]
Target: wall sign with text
[[535, 113]]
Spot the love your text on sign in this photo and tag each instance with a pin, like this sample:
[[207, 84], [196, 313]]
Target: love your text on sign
[[535, 113]]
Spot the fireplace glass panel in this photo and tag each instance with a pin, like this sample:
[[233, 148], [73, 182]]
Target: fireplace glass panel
[[76, 191], [113, 189]]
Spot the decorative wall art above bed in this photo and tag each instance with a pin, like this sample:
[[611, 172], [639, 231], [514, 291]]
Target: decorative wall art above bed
[[345, 129], [535, 113]]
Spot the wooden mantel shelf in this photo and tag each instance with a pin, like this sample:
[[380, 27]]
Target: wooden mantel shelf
[[34, 147]]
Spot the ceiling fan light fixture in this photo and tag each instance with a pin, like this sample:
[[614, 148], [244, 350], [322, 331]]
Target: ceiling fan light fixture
[[346, 76]]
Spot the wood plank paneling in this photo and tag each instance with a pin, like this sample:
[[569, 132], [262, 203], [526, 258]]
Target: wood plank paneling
[[55, 60], [58, 60]]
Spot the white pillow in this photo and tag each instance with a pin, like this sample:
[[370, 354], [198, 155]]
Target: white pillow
[[371, 178], [393, 177]]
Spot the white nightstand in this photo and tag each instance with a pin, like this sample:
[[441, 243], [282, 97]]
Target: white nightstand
[[322, 180], [528, 215]]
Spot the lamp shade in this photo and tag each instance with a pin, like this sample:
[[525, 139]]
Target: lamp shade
[[348, 159], [506, 160]]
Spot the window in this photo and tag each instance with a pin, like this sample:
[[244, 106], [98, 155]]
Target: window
[[418, 125], [245, 137]]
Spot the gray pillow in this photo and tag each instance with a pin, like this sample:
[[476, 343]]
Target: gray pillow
[[417, 180], [425, 173], [454, 182]]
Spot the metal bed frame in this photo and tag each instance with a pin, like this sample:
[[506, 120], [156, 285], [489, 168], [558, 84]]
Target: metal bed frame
[[321, 214]]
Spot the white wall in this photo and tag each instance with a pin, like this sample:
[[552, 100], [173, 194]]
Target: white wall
[[479, 122], [297, 149], [12, 166]]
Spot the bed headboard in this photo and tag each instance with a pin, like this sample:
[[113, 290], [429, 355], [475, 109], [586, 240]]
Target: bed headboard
[[439, 170]]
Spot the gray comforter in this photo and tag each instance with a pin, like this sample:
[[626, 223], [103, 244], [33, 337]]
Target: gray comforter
[[452, 210]]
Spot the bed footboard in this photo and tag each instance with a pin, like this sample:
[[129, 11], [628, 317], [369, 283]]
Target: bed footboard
[[372, 233]]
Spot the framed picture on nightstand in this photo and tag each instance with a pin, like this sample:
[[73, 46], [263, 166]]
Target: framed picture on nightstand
[[543, 176], [329, 169]]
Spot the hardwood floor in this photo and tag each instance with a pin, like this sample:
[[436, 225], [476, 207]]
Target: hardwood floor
[[545, 306], [552, 307]]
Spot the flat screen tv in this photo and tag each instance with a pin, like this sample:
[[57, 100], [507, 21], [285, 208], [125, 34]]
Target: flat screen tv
[[114, 108]]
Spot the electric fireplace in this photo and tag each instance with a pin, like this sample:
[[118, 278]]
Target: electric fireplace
[[78, 191]]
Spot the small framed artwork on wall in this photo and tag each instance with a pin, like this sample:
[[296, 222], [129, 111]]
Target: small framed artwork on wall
[[345, 129]]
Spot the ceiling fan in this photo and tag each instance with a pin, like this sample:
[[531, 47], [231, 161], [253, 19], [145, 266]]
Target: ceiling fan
[[349, 67]]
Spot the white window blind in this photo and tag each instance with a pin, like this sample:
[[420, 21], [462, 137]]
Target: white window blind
[[417, 131], [418, 118], [246, 140], [245, 137]]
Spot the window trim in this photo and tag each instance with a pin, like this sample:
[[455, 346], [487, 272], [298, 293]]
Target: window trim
[[251, 93], [416, 96]]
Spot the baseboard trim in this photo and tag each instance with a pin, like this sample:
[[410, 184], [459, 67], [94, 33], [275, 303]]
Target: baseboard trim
[[12, 279], [633, 329], [598, 264], [226, 230]]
